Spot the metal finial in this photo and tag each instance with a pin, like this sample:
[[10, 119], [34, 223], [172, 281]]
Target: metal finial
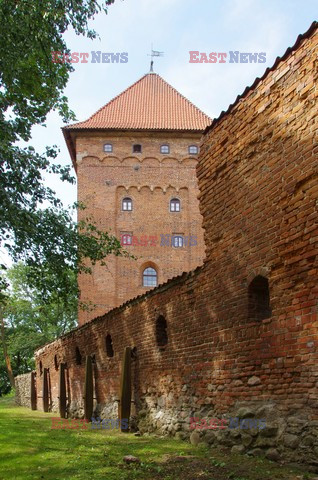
[[154, 53]]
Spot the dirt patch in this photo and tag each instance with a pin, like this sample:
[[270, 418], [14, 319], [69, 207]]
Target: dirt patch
[[220, 466]]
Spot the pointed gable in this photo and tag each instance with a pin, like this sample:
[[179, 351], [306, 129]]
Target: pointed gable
[[149, 104]]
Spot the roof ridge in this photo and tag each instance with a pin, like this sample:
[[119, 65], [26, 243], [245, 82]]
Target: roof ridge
[[257, 80], [180, 95], [109, 102]]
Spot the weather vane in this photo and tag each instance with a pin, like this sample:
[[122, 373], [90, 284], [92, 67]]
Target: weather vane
[[154, 53]]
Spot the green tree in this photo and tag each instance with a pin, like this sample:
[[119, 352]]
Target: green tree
[[34, 226], [32, 320]]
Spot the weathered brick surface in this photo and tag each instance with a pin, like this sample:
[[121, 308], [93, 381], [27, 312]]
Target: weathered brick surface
[[257, 176], [151, 180]]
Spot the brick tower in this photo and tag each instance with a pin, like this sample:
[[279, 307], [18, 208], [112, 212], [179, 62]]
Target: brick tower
[[135, 160]]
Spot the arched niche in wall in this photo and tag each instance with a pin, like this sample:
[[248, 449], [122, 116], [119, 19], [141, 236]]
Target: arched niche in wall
[[259, 307], [109, 346], [161, 332], [78, 356]]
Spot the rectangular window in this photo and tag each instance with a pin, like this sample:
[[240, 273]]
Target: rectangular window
[[164, 149], [177, 240], [137, 148], [108, 148], [193, 149], [126, 238]]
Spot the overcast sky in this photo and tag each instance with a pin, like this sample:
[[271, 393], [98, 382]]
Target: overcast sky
[[176, 27]]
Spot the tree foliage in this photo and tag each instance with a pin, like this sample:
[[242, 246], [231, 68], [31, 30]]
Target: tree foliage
[[32, 320], [34, 226]]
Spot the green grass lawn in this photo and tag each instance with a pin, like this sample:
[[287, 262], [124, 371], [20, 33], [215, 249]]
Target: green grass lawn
[[30, 449]]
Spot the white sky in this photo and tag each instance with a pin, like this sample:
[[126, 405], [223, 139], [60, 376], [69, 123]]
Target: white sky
[[175, 27]]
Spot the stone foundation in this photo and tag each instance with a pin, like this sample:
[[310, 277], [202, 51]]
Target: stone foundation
[[23, 390], [293, 438]]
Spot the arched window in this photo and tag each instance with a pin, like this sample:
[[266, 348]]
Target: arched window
[[108, 148], [164, 149], [136, 148], [259, 299], [78, 356], [174, 205], [161, 332], [127, 204], [149, 277], [193, 149], [41, 368], [109, 346]]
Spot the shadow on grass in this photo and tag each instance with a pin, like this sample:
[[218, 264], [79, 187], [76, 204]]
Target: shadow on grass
[[32, 449]]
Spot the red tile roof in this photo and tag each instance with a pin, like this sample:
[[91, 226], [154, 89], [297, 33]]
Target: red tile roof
[[149, 104]]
